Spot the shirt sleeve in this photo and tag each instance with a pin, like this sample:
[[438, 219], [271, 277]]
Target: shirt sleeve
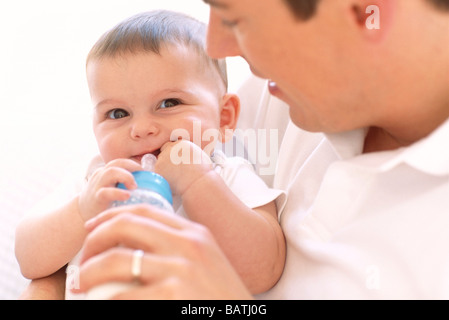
[[240, 177]]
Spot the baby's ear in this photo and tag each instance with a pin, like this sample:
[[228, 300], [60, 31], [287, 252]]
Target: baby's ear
[[229, 114]]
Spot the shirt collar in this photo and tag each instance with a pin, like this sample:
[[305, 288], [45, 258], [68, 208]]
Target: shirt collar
[[347, 144], [429, 155]]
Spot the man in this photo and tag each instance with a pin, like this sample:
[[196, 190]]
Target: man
[[356, 79], [368, 209]]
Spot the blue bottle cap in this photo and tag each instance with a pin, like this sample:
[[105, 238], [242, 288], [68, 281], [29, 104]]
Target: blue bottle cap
[[151, 181]]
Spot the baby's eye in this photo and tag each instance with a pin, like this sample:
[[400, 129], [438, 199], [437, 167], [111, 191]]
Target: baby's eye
[[168, 103], [117, 114]]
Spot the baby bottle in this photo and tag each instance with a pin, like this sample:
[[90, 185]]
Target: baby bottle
[[151, 189]]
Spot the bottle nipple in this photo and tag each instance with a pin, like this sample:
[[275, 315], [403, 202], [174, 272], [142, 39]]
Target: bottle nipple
[[148, 161]]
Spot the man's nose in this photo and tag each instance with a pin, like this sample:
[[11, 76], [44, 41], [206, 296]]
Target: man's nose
[[221, 41], [143, 127]]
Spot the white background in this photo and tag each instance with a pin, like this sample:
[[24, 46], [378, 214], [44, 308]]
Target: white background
[[45, 123]]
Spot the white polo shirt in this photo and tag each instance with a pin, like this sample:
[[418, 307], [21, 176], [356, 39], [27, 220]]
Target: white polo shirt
[[364, 226]]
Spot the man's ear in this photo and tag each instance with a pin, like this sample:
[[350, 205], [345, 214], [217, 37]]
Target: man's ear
[[373, 18], [230, 110]]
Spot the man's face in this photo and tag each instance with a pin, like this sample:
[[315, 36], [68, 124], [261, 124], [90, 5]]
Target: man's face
[[311, 64]]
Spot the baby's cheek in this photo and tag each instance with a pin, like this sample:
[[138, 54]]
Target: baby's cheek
[[111, 149]]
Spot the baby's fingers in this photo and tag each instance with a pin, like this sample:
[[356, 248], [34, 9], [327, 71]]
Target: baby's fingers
[[111, 176], [108, 195], [126, 164]]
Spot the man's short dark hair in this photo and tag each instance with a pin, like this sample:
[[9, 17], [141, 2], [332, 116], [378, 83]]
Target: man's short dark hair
[[441, 4], [305, 9]]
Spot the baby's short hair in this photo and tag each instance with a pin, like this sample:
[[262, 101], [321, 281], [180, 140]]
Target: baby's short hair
[[149, 31]]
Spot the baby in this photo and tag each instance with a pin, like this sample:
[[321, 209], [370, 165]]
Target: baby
[[154, 89]]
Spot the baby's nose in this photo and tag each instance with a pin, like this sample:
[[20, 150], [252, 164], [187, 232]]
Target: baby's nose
[[143, 128]]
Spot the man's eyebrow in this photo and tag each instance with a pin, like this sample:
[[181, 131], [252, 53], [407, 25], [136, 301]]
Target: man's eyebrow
[[216, 4]]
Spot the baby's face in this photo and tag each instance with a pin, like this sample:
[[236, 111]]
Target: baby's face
[[142, 100]]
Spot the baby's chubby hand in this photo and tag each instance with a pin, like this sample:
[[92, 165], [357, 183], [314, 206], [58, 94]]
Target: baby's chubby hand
[[181, 163], [100, 190]]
